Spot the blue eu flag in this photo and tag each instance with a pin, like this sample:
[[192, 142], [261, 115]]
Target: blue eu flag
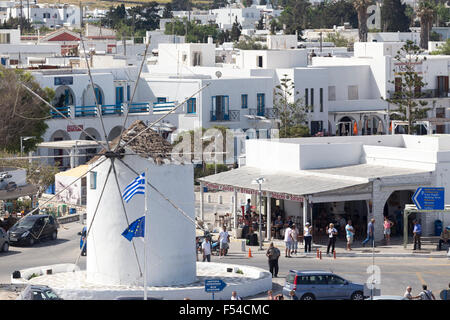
[[135, 229]]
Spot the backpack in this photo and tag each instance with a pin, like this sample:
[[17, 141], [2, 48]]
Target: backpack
[[427, 295]]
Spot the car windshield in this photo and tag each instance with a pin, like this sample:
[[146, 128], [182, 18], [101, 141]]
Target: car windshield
[[51, 295], [26, 222]]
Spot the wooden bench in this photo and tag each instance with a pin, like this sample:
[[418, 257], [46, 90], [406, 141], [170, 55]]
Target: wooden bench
[[433, 240]]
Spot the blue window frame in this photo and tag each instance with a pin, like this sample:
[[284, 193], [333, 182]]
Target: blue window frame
[[261, 104], [119, 96], [244, 101], [99, 96], [128, 92], [161, 100], [220, 108], [192, 105]]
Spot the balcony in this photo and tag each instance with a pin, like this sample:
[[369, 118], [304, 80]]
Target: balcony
[[269, 113], [231, 116], [107, 110], [426, 94], [163, 107]]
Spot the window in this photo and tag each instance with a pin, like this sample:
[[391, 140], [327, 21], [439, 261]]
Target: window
[[220, 108], [442, 86], [128, 92], [244, 101], [331, 93], [398, 84], [99, 96], [197, 59], [313, 279], [312, 99], [259, 61], [321, 99], [335, 280], [93, 180], [161, 100], [290, 278], [5, 38], [119, 96], [306, 97], [261, 104], [352, 92], [192, 105]]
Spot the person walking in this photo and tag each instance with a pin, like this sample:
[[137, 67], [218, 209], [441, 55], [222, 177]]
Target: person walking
[[224, 239], [206, 249], [426, 294], [444, 238], [370, 233], [350, 234], [273, 254], [332, 234], [294, 236], [417, 231], [445, 294], [408, 294], [307, 236], [387, 229], [288, 241], [234, 296]]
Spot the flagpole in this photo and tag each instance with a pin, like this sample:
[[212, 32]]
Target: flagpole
[[145, 235]]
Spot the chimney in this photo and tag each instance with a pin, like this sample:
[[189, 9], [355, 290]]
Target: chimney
[[210, 40]]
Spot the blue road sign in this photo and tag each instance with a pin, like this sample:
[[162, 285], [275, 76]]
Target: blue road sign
[[214, 285], [429, 198]]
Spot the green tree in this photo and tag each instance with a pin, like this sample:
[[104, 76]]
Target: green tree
[[408, 89], [236, 30], [167, 13], [361, 9], [444, 49], [393, 16], [249, 44], [442, 14], [260, 25], [337, 39], [294, 16], [22, 114], [425, 12], [291, 111], [181, 5]]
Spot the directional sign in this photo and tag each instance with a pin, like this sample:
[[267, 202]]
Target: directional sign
[[429, 198], [214, 285]]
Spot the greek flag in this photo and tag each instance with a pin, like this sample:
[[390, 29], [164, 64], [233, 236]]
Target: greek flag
[[137, 186]]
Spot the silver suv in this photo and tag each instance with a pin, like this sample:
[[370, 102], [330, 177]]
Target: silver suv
[[321, 285]]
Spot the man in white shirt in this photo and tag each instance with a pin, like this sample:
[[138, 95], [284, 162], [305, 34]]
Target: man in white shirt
[[224, 239], [288, 241], [206, 250]]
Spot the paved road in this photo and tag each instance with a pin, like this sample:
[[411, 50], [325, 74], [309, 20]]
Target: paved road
[[64, 250], [396, 273]]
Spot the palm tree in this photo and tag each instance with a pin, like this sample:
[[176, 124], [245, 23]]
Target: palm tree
[[361, 8], [425, 12]]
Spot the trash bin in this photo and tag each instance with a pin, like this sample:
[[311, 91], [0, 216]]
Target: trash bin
[[205, 189], [72, 211], [437, 227]]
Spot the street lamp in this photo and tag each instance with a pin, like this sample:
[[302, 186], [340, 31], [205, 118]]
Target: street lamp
[[21, 143], [260, 181]]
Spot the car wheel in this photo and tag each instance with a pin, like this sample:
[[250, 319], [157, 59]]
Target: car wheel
[[308, 296], [358, 295], [54, 235], [31, 241], [5, 247]]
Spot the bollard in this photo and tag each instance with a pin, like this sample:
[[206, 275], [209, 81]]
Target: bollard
[[320, 255], [250, 253], [317, 253], [334, 254]]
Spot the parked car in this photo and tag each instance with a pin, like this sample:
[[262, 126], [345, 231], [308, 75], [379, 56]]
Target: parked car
[[321, 285], [4, 242], [44, 293], [136, 298], [32, 228]]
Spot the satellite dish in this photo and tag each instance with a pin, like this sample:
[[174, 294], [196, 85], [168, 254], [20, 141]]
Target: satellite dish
[[218, 74]]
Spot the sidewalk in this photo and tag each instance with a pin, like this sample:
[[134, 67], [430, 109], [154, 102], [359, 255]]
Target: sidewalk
[[395, 249]]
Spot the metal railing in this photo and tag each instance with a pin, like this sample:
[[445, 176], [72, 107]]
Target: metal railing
[[269, 113], [107, 109], [65, 110], [232, 115]]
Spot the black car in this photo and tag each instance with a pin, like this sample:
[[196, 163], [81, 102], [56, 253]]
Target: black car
[[31, 228]]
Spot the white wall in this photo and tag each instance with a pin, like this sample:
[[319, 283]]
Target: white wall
[[171, 236]]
